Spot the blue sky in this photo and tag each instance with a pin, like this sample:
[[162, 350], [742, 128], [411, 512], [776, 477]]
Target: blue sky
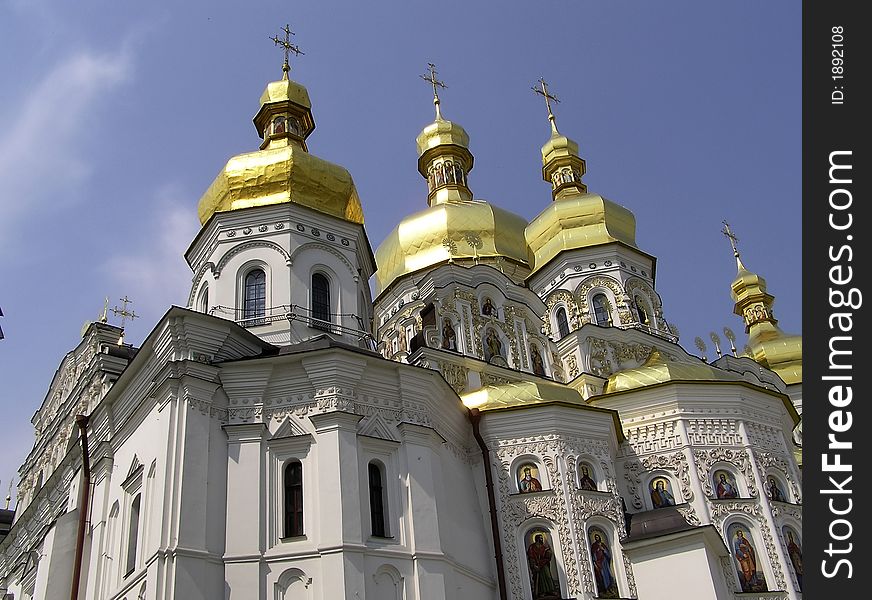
[[116, 116]]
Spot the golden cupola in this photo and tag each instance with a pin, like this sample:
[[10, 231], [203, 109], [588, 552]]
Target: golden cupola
[[575, 219], [283, 170], [455, 227], [769, 345]]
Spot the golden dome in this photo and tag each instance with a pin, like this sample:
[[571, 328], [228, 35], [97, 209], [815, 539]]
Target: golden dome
[[781, 353], [657, 369], [283, 171], [441, 133], [423, 239], [558, 146], [578, 222], [285, 90], [286, 174]]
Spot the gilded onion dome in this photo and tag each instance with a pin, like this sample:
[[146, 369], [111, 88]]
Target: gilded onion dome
[[454, 227], [575, 219], [769, 345], [282, 170]]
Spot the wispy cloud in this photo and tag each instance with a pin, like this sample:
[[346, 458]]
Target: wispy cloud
[[40, 150], [154, 272]]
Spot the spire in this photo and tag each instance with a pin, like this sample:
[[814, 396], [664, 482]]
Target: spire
[[444, 159], [562, 167], [543, 91], [431, 77], [733, 239]]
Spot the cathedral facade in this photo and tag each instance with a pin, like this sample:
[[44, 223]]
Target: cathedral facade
[[509, 417]]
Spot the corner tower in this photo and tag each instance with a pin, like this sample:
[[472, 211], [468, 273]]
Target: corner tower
[[282, 249]]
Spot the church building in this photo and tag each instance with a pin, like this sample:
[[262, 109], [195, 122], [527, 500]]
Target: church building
[[505, 414]]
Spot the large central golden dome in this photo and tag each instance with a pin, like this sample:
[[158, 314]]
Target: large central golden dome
[[448, 231], [283, 171]]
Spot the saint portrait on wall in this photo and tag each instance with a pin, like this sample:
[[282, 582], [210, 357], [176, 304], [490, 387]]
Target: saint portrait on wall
[[586, 482], [538, 363], [544, 582], [603, 569], [493, 346], [449, 337], [661, 493], [773, 490], [751, 577], [794, 551], [487, 307], [725, 484], [528, 478]]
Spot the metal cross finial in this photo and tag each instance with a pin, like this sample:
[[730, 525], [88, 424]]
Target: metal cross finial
[[123, 312], [434, 81], [542, 90], [287, 46], [732, 237]]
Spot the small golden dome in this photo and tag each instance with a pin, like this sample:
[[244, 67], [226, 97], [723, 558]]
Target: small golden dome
[[578, 222], [441, 133], [286, 90], [442, 232], [658, 369], [558, 146]]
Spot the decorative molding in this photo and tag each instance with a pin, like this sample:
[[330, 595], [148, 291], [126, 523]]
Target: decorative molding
[[457, 376], [768, 461], [375, 426], [673, 462], [216, 271], [714, 432], [325, 248]]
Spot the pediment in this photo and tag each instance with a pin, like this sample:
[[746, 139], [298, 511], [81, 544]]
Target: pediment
[[375, 426]]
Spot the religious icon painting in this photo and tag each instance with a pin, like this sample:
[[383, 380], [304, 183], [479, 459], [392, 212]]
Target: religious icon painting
[[794, 551], [603, 566], [725, 484], [746, 558], [544, 581], [487, 307], [586, 477], [528, 478], [661, 493], [775, 490]]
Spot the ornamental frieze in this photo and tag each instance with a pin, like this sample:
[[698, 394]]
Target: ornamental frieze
[[714, 432], [457, 376]]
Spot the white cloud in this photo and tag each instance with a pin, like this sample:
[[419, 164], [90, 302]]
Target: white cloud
[[154, 273], [40, 153]]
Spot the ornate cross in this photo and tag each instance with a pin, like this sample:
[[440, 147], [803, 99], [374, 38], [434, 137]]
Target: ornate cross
[[542, 90], [732, 237], [123, 312], [287, 45], [434, 81]]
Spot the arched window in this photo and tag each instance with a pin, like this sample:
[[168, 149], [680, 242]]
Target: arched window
[[562, 322], [254, 300], [640, 310], [320, 302], [293, 499], [601, 310], [377, 504], [132, 534]]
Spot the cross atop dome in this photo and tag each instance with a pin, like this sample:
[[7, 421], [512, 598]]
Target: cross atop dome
[[728, 233], [432, 79], [287, 46], [542, 90]]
